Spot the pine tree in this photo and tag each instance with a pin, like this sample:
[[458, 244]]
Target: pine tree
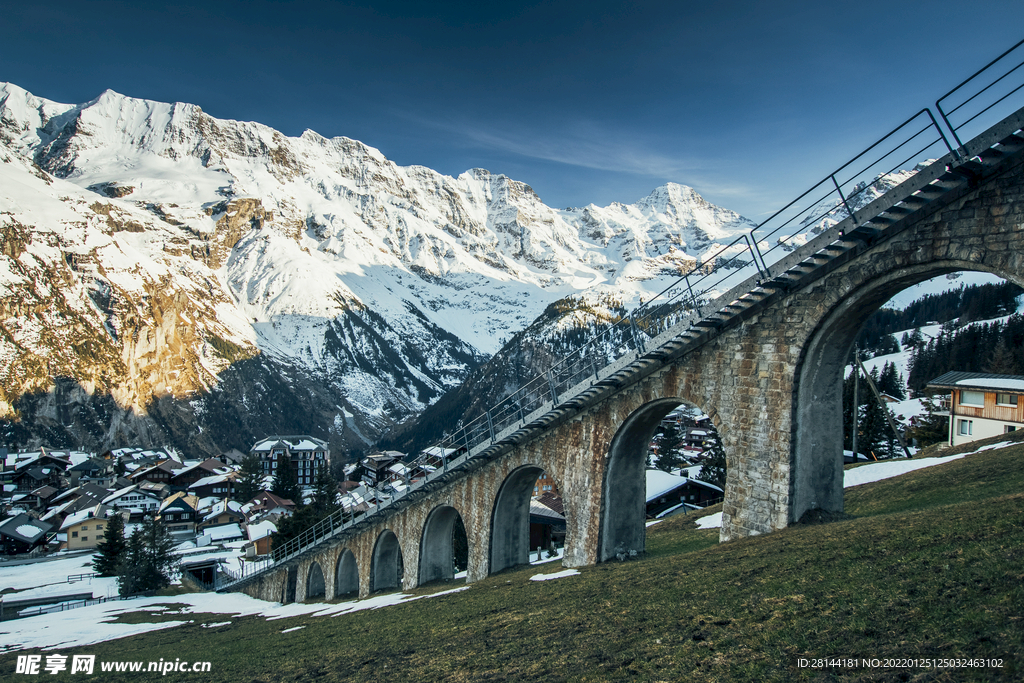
[[1001, 360], [932, 427], [132, 567], [148, 562], [325, 491], [669, 457], [111, 547], [285, 484], [250, 479], [713, 471]]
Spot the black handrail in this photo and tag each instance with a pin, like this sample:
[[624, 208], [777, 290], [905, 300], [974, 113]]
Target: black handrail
[[945, 114]]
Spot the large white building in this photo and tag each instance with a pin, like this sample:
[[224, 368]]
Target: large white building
[[306, 453], [982, 404]]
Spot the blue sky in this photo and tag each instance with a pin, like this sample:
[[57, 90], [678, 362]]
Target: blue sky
[[748, 102]]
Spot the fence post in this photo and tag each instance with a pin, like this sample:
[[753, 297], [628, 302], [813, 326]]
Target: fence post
[[553, 388], [849, 211]]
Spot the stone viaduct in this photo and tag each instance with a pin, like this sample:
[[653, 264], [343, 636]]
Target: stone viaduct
[[768, 370]]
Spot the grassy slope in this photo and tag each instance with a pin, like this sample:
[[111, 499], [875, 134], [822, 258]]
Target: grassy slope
[[930, 564]]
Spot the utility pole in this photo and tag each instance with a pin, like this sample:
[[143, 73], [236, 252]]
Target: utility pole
[[881, 403]]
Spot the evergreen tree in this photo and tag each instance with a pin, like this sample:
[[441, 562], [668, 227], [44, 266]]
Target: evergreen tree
[[713, 471], [250, 479], [325, 491], [669, 457], [285, 484], [1001, 360], [132, 567], [148, 562], [891, 382], [111, 547], [932, 427]]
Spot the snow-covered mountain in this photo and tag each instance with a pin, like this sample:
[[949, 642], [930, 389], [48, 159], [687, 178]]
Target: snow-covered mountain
[[151, 252]]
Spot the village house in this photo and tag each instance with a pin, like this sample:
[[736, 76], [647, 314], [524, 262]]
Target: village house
[[217, 486], [221, 533], [159, 473], [85, 528], [91, 470], [306, 454], [41, 497], [260, 538], [265, 504], [186, 476], [981, 404], [21, 533], [375, 467], [224, 512], [135, 499], [178, 514], [667, 491]]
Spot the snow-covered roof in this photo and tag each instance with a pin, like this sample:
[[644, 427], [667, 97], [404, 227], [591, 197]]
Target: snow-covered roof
[[120, 492], [1008, 384], [24, 528], [223, 532], [97, 512], [293, 443], [261, 529], [979, 380], [222, 507], [660, 483], [212, 479]]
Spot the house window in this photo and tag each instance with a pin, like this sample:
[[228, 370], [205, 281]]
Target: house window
[[1009, 428], [966, 427], [972, 398], [74, 534], [1006, 399], [85, 538], [85, 527]]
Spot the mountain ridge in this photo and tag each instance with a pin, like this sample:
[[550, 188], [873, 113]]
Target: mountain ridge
[[215, 241]]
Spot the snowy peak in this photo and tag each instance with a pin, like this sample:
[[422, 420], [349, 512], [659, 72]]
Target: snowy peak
[[390, 282]]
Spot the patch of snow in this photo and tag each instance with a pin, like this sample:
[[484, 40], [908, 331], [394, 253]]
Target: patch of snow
[[90, 625], [877, 471], [710, 522], [556, 575]]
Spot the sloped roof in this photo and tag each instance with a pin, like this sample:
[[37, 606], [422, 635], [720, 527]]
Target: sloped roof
[[539, 509], [300, 442], [181, 500], [979, 380], [23, 528]]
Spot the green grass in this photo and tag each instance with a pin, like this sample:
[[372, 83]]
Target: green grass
[[930, 564]]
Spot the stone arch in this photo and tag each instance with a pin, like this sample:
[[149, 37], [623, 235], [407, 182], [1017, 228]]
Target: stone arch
[[315, 587], [437, 558], [624, 492], [386, 567], [346, 575], [817, 451], [510, 518]]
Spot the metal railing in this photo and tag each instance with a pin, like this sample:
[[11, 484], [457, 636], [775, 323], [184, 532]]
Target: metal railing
[[967, 106], [698, 295]]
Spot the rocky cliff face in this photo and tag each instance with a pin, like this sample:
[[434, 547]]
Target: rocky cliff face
[[170, 276]]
